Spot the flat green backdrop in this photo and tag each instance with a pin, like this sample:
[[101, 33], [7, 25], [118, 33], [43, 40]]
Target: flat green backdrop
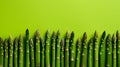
[[72, 15]]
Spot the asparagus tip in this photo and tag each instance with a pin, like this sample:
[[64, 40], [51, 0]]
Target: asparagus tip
[[67, 34], [103, 34], [96, 34], [85, 35], [1, 40], [27, 32], [37, 33], [72, 34]]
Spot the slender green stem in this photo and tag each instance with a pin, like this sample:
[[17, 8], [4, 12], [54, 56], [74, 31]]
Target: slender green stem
[[84, 51], [67, 49], [72, 50], [5, 63], [78, 53], [20, 52], [37, 48], [57, 64], [15, 53], [102, 52], [53, 50], [118, 48], [90, 53], [1, 52], [108, 51], [114, 51], [96, 50], [47, 49], [42, 53], [10, 52], [62, 44], [31, 53]]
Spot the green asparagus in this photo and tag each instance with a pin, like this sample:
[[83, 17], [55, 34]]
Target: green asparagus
[[15, 53], [37, 48], [20, 51], [57, 64], [47, 49], [90, 53], [102, 51], [84, 51], [5, 47], [108, 51], [10, 52], [31, 53], [62, 44], [96, 50], [1, 52], [42, 53], [67, 49], [72, 51], [78, 53], [114, 50], [27, 59], [53, 50], [118, 48]]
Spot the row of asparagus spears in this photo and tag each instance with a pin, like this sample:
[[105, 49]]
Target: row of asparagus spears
[[54, 51]]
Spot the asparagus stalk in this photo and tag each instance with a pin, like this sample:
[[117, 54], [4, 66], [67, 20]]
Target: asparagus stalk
[[67, 50], [20, 51], [37, 48], [78, 53], [31, 53], [84, 51], [57, 64], [15, 53], [90, 53], [62, 44], [5, 47], [47, 49], [53, 50], [118, 48], [96, 50], [10, 52], [1, 52], [108, 51], [27, 59], [72, 50], [42, 53], [114, 50], [102, 47]]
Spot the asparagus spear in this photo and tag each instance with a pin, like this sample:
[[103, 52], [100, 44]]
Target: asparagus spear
[[57, 64], [10, 52], [47, 49], [114, 50], [20, 51], [84, 51], [90, 53], [78, 53], [31, 53], [5, 47], [15, 53], [62, 53], [42, 52], [102, 47], [118, 48], [108, 51], [37, 48], [1, 52], [72, 50], [27, 59], [67, 50], [96, 50], [53, 50]]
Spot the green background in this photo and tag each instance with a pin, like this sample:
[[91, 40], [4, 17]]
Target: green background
[[72, 15]]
